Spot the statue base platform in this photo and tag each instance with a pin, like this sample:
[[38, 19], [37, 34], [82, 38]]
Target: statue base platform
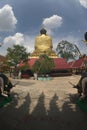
[[36, 54]]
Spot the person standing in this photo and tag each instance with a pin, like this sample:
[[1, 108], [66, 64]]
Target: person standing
[[19, 74], [35, 76]]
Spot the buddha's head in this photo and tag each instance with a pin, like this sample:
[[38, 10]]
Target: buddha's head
[[43, 31]]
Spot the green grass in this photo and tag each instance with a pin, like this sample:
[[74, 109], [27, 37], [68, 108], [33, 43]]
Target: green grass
[[4, 100], [82, 104]]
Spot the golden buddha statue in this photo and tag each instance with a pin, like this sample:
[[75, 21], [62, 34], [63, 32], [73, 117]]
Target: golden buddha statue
[[43, 45]]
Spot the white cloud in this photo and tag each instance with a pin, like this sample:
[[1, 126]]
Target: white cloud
[[29, 41], [7, 19], [52, 22], [18, 39], [83, 3]]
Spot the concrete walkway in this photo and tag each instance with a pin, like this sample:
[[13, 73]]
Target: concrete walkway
[[43, 105]]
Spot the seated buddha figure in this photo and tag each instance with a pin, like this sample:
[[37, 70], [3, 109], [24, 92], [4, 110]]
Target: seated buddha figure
[[43, 45]]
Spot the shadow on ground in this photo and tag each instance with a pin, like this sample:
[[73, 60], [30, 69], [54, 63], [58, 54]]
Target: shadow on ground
[[20, 118]]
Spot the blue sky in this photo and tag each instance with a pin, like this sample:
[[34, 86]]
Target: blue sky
[[21, 21]]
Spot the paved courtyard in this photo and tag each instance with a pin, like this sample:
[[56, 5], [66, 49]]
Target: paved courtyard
[[43, 105]]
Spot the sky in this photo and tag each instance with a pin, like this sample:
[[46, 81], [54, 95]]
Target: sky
[[22, 20]]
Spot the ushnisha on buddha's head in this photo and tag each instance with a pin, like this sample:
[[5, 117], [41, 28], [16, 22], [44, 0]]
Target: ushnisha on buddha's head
[[43, 31]]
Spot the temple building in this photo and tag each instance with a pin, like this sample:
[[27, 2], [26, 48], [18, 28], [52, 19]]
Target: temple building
[[44, 45]]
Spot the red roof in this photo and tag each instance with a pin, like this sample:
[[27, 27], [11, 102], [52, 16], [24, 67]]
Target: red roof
[[77, 63], [71, 63], [32, 61], [21, 64], [60, 63]]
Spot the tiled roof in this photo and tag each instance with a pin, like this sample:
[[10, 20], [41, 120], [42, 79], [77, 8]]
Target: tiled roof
[[78, 63], [32, 61], [71, 63], [60, 63], [21, 64]]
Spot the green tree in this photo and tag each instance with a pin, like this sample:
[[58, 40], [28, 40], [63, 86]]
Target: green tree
[[43, 65], [24, 67], [68, 50], [16, 54]]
